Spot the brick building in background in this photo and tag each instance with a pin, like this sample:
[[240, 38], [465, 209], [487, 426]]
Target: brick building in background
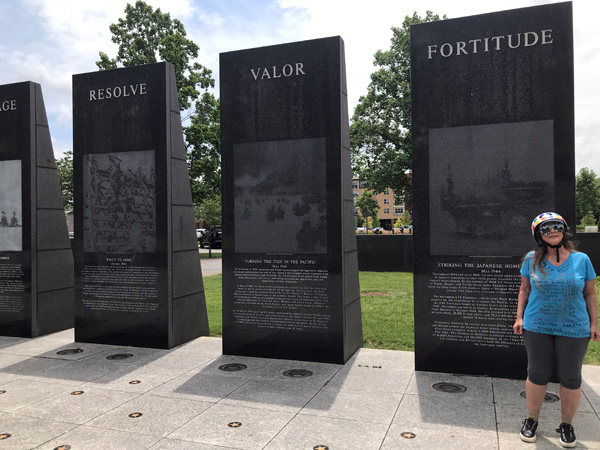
[[389, 209]]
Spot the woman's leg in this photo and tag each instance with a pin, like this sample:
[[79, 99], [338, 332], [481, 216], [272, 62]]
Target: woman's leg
[[540, 349], [569, 360], [569, 402], [535, 397]]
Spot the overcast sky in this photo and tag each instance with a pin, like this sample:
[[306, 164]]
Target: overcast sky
[[47, 41]]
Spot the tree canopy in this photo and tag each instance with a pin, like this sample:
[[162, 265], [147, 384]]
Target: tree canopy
[[367, 204], [587, 194], [64, 167], [146, 36], [380, 132]]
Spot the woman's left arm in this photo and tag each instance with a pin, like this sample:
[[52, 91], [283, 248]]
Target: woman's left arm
[[589, 293]]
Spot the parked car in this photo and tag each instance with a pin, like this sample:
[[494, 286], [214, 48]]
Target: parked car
[[199, 233], [213, 233]]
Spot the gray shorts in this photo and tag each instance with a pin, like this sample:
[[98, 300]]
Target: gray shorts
[[544, 349]]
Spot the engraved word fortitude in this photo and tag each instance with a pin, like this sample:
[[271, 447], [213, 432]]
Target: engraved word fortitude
[[118, 91], [496, 43], [275, 72], [8, 105]]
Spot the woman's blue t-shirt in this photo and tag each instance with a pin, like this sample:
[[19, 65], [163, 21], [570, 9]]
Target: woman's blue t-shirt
[[556, 304]]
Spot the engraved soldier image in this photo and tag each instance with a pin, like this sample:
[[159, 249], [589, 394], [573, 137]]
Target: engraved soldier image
[[11, 231], [120, 202]]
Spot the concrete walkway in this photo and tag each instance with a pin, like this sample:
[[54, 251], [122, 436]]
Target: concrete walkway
[[210, 266], [179, 399]]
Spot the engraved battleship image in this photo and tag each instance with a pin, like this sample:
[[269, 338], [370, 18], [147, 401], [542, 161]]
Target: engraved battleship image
[[480, 213], [486, 181]]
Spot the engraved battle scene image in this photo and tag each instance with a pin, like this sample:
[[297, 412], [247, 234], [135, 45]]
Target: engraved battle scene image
[[485, 182], [120, 202], [280, 197], [11, 231]]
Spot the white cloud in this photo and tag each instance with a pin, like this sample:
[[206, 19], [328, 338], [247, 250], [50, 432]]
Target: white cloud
[[65, 114], [55, 38]]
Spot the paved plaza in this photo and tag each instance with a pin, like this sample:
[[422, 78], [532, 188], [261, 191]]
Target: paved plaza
[[105, 397]]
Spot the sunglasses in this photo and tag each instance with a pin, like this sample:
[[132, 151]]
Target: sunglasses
[[547, 228]]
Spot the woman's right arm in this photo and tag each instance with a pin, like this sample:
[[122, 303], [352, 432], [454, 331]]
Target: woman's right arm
[[524, 291]]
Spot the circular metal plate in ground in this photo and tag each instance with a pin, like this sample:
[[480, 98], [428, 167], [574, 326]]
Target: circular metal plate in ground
[[234, 424], [297, 373], [135, 415], [548, 398], [451, 388], [70, 351], [63, 447], [135, 382], [77, 392], [234, 367], [408, 435], [118, 356], [320, 447], [4, 436]]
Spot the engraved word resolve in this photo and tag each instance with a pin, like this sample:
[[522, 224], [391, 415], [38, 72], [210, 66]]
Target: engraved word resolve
[[118, 91], [287, 70]]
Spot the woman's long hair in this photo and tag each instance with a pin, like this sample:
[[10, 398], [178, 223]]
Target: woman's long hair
[[541, 252]]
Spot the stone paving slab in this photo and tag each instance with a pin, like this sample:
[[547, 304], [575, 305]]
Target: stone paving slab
[[446, 414], [307, 432], [90, 438], [74, 372], [21, 393], [510, 418], [234, 426], [402, 437], [378, 407], [27, 432], [176, 444], [149, 414], [78, 406], [477, 388], [134, 379], [186, 402], [200, 387], [274, 395], [369, 378]]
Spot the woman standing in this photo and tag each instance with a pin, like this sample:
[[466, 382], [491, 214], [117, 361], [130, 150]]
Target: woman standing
[[557, 315]]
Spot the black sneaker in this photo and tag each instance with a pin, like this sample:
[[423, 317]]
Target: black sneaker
[[528, 430], [567, 435]]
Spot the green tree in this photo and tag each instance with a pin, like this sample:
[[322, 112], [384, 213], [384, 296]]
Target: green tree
[[145, 36], [588, 220], [587, 193], [64, 168], [209, 212], [359, 221], [204, 151], [380, 132], [405, 219], [367, 205]]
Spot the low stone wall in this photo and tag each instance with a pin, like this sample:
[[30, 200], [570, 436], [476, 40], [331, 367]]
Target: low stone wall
[[589, 243], [394, 253], [385, 253]]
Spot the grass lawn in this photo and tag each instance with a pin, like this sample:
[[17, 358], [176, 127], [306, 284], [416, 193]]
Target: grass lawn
[[387, 311], [214, 255]]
